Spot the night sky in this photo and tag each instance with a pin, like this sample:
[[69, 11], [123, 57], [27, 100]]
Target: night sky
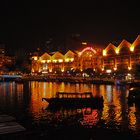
[[31, 24]]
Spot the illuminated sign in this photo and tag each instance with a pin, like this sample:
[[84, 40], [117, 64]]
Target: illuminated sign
[[87, 49]]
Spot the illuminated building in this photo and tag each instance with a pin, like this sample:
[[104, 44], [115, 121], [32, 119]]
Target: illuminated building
[[123, 57]]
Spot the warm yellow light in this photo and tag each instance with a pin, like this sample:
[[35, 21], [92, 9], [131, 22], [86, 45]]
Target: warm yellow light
[[84, 43], [54, 60], [115, 68], [69, 59], [62, 70], [60, 60], [43, 61], [50, 70], [72, 59], [117, 51], [129, 68], [108, 71], [102, 69], [132, 48], [35, 57], [104, 52], [48, 61]]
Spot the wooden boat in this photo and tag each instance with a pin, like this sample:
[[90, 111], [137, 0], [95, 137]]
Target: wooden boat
[[66, 100]]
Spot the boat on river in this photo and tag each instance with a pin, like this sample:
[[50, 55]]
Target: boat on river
[[72, 100]]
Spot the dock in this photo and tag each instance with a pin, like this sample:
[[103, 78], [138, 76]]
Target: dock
[[9, 125]]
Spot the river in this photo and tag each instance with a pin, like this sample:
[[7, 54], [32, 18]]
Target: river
[[24, 101]]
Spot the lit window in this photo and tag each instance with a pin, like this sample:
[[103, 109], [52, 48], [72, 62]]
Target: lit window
[[108, 71], [35, 57], [54, 60], [43, 61], [60, 60], [71, 59], [48, 61]]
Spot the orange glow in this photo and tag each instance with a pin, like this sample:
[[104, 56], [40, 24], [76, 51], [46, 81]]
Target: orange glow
[[102, 69], [132, 117], [34, 57], [89, 59], [60, 60], [69, 59], [104, 52], [48, 61], [43, 61], [129, 68], [132, 48], [117, 51], [115, 68], [54, 60], [87, 49]]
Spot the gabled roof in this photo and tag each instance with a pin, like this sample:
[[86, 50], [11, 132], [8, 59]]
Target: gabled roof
[[57, 55], [124, 43], [45, 56], [69, 54], [110, 46], [137, 41]]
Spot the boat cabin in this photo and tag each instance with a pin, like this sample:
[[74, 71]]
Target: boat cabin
[[74, 95]]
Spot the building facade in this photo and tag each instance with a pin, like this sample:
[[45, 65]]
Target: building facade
[[122, 58]]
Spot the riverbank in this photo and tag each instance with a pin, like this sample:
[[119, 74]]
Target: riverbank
[[68, 79]]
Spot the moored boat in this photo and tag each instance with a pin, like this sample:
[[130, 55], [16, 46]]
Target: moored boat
[[66, 100]]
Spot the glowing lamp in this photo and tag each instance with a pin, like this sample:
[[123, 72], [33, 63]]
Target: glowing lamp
[[117, 51], [35, 57], [115, 68], [104, 52], [60, 60], [54, 60], [43, 61], [108, 71], [132, 48], [48, 61], [129, 68], [67, 60]]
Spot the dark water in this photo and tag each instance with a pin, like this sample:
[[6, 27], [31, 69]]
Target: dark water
[[24, 101]]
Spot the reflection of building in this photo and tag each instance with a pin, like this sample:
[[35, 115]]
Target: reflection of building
[[124, 57]]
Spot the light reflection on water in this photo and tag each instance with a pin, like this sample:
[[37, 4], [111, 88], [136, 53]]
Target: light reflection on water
[[25, 102]]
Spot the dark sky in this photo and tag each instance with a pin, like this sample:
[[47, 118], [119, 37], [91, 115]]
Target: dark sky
[[26, 24]]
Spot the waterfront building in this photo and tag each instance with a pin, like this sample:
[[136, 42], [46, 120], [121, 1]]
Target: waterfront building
[[112, 59]]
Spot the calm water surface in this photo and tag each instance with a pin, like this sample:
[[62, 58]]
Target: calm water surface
[[24, 101]]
